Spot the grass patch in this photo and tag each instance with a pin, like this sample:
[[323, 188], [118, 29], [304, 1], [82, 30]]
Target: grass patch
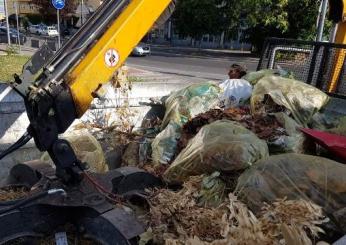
[[11, 64], [133, 79]]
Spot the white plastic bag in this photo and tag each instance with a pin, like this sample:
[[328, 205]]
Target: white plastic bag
[[235, 92]]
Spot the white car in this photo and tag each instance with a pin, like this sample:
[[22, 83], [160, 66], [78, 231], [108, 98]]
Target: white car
[[141, 50], [35, 29], [50, 31]]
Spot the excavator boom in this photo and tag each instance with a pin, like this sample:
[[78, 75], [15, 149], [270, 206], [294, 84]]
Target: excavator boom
[[64, 89], [54, 96]]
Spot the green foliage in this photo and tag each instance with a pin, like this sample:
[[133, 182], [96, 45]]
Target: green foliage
[[11, 64], [134, 79], [12, 50], [25, 21], [34, 18], [198, 17], [280, 18], [261, 18], [231, 11]]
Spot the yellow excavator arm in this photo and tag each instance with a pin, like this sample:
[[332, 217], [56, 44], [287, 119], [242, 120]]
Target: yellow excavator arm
[[61, 91], [112, 49]]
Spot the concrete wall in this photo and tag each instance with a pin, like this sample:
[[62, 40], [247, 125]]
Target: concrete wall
[[14, 120]]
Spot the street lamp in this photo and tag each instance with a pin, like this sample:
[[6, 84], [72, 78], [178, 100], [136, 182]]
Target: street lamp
[[7, 24], [17, 19], [81, 21]]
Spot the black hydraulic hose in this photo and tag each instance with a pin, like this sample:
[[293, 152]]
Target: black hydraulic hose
[[22, 202], [22, 141], [8, 203]]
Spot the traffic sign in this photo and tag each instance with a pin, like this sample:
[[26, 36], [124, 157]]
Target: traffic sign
[[58, 4]]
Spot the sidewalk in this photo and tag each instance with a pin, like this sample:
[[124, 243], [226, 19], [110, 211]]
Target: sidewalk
[[165, 49], [24, 50], [200, 51]]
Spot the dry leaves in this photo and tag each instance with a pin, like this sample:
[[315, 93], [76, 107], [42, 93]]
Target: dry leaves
[[176, 219], [9, 194], [176, 215], [265, 126], [294, 217]]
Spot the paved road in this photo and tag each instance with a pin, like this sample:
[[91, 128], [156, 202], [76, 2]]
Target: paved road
[[187, 63], [195, 66]]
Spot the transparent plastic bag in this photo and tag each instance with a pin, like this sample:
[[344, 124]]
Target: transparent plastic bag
[[220, 146], [181, 106], [301, 99], [188, 102], [293, 142], [294, 176], [86, 148], [165, 144], [235, 92], [254, 77]]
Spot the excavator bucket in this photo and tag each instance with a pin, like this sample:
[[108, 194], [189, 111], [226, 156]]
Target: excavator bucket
[[334, 143]]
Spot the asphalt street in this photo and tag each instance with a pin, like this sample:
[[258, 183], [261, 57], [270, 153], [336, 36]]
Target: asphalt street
[[196, 66], [190, 63]]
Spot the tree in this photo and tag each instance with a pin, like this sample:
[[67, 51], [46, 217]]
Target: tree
[[48, 12], [195, 18], [302, 18], [231, 11], [280, 18], [261, 18]]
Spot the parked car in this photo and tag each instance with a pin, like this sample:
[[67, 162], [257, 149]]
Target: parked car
[[50, 31], [35, 29], [13, 36], [141, 49]]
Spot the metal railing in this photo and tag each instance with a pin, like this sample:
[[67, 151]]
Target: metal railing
[[310, 62]]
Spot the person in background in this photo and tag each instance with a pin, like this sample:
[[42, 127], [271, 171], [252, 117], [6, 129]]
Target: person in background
[[237, 71]]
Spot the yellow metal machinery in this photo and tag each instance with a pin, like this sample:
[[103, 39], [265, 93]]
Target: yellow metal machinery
[[337, 13], [63, 89], [112, 49], [57, 93]]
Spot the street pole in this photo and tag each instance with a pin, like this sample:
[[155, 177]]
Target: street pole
[[333, 33], [16, 8], [321, 20], [58, 19], [82, 4], [7, 24]]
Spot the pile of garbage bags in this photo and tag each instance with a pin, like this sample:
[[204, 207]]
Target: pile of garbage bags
[[237, 166], [181, 106], [248, 132], [270, 106]]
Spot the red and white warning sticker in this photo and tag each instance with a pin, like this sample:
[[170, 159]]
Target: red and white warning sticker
[[111, 58]]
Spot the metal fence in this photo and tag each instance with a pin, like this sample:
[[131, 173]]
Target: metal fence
[[310, 62]]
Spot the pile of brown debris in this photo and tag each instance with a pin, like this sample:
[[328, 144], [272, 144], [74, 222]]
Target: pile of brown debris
[[265, 126], [177, 219]]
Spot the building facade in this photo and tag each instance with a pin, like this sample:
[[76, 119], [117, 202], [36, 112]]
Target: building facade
[[167, 34], [24, 7], [2, 10], [94, 4]]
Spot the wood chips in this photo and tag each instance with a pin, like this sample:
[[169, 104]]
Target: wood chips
[[176, 219]]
